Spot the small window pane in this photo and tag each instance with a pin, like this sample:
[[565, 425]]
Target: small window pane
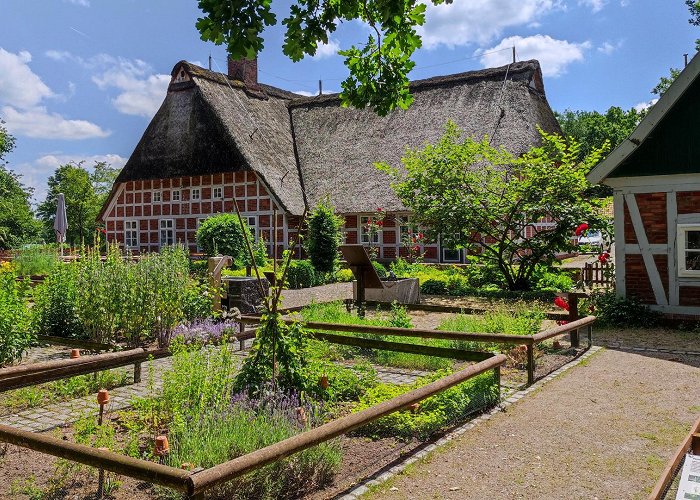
[[195, 194], [692, 240], [176, 195], [692, 261]]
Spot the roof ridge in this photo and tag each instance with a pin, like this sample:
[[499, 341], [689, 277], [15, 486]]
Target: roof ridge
[[531, 65]]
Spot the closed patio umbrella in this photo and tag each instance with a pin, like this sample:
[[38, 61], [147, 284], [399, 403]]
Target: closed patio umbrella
[[60, 224]]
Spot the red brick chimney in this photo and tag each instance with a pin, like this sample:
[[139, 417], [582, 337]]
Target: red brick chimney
[[244, 70]]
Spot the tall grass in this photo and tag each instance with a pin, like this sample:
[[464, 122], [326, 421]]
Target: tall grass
[[520, 319], [36, 260], [335, 312]]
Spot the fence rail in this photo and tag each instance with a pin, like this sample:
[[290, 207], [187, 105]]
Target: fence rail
[[672, 468]]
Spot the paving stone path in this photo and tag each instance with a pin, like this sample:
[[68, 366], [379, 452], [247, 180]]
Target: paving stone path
[[43, 418]]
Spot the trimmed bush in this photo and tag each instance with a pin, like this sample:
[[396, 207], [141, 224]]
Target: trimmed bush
[[324, 237], [222, 235], [301, 274], [381, 270]]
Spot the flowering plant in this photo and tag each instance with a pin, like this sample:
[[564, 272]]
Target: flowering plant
[[372, 228]]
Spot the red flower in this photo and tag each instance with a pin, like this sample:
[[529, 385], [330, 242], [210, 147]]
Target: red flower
[[562, 322], [603, 257], [380, 209], [581, 229], [380, 223], [420, 236], [561, 303], [416, 249]]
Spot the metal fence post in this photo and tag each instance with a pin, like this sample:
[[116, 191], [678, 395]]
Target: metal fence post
[[573, 316], [530, 364]]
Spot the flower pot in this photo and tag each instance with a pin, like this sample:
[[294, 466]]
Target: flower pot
[[74, 353], [161, 446], [102, 397]]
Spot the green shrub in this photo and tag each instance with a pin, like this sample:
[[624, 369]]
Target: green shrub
[[36, 260], [55, 310], [323, 237], [221, 234], [301, 274], [434, 413], [553, 279], [15, 337], [381, 270], [112, 299], [344, 275], [618, 311]]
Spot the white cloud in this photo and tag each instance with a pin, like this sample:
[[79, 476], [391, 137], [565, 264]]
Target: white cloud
[[479, 21], [645, 105], [141, 92], [82, 3], [595, 5], [22, 92], [36, 173], [19, 85], [554, 55], [306, 93], [325, 50], [39, 123]]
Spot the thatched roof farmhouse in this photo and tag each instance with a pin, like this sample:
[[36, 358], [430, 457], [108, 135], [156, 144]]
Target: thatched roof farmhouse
[[218, 136]]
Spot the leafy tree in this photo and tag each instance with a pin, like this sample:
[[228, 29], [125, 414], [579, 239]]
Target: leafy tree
[[666, 81], [591, 129], [694, 8], [324, 237], [472, 194], [82, 203], [377, 70], [17, 223], [103, 177]]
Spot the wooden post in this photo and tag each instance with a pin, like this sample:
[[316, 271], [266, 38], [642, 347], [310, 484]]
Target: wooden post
[[214, 267], [590, 335], [530, 364], [361, 293], [573, 316], [137, 372]]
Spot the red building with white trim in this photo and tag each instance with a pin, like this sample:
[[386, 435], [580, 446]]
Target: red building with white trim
[[220, 137]]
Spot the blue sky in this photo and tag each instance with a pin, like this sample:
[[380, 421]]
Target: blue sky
[[80, 79]]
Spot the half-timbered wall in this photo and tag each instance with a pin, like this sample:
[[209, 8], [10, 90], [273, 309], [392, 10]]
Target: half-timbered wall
[[648, 213], [185, 202]]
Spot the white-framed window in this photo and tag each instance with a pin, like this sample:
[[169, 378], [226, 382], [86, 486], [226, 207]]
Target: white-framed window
[[195, 194], [217, 193], [364, 233], [689, 250], [131, 233], [156, 196], [253, 224], [175, 195], [167, 232], [407, 228]]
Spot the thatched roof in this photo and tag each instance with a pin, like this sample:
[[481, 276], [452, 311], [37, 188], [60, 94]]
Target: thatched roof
[[337, 147], [211, 123]]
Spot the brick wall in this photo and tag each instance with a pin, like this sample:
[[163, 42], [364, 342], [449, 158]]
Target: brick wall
[[637, 280], [652, 208], [196, 202]]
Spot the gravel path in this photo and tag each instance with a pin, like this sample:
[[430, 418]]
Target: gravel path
[[605, 429], [325, 293]]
